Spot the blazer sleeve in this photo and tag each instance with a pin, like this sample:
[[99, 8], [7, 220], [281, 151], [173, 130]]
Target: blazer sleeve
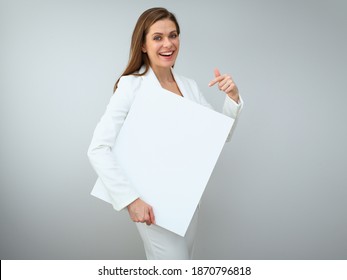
[[100, 153], [230, 109]]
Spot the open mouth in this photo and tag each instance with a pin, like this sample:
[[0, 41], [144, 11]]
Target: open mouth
[[166, 54]]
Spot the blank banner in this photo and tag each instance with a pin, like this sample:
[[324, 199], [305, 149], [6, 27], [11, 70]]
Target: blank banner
[[168, 147]]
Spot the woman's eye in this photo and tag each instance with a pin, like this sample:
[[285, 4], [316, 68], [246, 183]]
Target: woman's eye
[[173, 36], [157, 38]]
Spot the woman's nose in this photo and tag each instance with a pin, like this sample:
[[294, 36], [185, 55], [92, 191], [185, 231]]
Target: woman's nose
[[167, 42]]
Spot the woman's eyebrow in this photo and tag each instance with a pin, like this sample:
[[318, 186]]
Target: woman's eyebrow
[[159, 33]]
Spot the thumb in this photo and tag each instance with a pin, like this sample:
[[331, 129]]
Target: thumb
[[216, 72]]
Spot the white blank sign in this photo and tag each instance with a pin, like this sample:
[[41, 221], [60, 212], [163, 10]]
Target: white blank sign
[[168, 147]]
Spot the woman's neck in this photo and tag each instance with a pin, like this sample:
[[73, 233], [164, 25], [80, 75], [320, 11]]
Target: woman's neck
[[163, 75]]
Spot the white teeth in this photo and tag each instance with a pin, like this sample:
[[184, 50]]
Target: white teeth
[[167, 53]]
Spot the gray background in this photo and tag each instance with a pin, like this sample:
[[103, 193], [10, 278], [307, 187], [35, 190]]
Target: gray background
[[279, 188]]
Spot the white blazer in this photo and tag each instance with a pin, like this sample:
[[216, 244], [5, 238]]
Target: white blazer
[[112, 181]]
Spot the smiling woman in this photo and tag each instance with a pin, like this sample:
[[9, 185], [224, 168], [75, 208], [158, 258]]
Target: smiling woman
[[138, 56], [161, 46], [154, 48]]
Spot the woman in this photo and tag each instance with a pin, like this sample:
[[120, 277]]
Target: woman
[[154, 48]]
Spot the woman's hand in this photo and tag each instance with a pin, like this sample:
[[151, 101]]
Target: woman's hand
[[226, 84], [141, 212]]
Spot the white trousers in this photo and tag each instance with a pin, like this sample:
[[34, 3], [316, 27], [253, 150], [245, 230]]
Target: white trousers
[[162, 244]]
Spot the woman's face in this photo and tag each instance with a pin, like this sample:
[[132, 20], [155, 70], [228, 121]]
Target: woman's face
[[162, 44]]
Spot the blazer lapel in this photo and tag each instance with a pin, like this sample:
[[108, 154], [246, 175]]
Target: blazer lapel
[[151, 80], [180, 84]]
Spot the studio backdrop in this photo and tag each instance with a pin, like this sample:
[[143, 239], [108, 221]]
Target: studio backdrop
[[278, 190]]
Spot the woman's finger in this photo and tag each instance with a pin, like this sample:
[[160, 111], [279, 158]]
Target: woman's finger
[[227, 79], [146, 218], [226, 85], [141, 212], [215, 80], [151, 215], [216, 72]]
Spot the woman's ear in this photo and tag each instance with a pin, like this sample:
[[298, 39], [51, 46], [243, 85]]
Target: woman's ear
[[143, 48]]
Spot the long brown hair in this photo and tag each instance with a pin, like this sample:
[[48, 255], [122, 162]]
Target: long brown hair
[[136, 57]]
